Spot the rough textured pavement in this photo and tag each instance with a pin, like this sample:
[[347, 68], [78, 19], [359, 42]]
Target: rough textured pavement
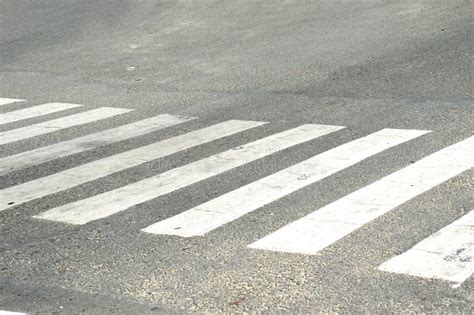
[[365, 65]]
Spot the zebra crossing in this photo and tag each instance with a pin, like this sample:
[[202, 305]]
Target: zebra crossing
[[94, 170], [106, 204], [241, 201], [325, 226], [78, 145], [445, 255]]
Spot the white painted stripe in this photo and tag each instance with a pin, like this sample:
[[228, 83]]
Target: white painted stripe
[[89, 142], [5, 101], [228, 207], [60, 123], [35, 111], [120, 199], [81, 174], [447, 254], [323, 227], [2, 312]]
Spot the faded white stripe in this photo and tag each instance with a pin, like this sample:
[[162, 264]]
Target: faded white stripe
[[60, 123], [230, 206], [35, 111], [448, 254], [120, 199], [327, 225], [81, 174], [5, 101], [89, 142]]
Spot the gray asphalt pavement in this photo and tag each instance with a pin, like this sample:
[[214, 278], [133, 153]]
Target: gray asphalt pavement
[[363, 65]]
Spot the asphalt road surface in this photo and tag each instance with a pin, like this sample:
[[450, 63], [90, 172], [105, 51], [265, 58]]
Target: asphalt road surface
[[236, 156]]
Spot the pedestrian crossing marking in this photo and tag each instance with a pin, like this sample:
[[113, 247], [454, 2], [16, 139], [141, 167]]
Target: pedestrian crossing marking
[[108, 203], [325, 226], [6, 101], [228, 207], [447, 254], [48, 153], [35, 111], [81, 174], [60, 123]]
